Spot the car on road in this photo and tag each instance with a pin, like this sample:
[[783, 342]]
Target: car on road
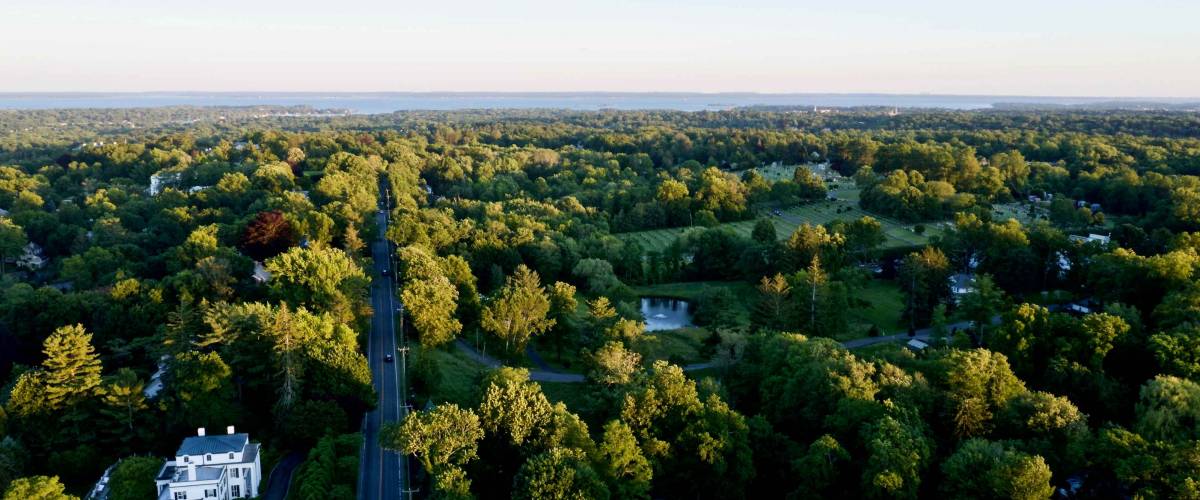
[[388, 358], [384, 272]]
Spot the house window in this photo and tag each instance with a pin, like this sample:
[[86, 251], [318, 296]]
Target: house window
[[231, 456], [235, 472], [180, 495], [187, 458], [208, 458], [210, 493], [236, 490]]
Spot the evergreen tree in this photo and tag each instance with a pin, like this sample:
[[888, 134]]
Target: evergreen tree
[[123, 394], [72, 367]]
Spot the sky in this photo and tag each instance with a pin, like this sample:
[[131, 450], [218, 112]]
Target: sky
[[1146, 48]]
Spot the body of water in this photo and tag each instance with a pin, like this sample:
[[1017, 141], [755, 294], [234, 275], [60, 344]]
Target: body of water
[[666, 314], [387, 102]]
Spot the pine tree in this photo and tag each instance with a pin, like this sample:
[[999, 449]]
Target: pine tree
[[773, 306], [72, 367], [286, 344], [123, 393], [814, 281]]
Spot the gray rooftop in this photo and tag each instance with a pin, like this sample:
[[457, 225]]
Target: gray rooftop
[[221, 443]]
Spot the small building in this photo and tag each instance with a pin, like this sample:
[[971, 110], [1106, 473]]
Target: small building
[[161, 180], [962, 284], [916, 345], [1078, 309], [221, 467], [261, 275], [155, 385]]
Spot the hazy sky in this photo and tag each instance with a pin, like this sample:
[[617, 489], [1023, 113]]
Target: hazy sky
[[1022, 47]]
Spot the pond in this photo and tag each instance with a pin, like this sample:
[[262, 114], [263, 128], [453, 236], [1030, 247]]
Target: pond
[[663, 313]]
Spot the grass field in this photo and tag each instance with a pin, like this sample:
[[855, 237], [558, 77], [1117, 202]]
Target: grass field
[[885, 306], [459, 376], [898, 234]]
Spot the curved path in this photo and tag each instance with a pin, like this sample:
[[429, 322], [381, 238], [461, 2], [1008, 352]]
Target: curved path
[[545, 373], [281, 476]]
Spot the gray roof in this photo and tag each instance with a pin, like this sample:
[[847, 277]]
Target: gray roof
[[221, 443], [250, 454]]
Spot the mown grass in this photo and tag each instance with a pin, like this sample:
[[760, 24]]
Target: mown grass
[[898, 234], [459, 376], [574, 395], [886, 304], [680, 346]]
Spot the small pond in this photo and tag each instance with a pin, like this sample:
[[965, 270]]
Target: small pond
[[666, 314]]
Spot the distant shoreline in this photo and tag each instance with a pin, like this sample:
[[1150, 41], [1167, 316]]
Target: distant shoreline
[[387, 102]]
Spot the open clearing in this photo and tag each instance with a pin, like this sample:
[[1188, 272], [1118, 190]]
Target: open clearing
[[898, 234]]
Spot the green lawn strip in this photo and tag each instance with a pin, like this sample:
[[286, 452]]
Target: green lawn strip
[[680, 346], [886, 303], [459, 376], [574, 395]]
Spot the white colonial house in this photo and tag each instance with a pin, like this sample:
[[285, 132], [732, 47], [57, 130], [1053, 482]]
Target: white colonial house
[[218, 467]]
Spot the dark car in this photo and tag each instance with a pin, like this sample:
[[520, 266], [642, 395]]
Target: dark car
[[388, 358]]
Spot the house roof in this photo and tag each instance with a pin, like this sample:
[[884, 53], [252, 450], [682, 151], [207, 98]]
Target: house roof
[[222, 443]]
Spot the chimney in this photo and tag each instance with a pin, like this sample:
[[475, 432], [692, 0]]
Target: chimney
[[191, 470], [199, 431], [229, 430]]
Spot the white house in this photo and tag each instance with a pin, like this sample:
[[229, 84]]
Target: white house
[[219, 467], [161, 180], [962, 284]]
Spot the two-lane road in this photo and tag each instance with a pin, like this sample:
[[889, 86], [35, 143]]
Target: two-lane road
[[381, 472]]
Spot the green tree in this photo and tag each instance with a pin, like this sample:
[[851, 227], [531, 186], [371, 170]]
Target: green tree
[[560, 473], [442, 438], [613, 365], [979, 382], [1169, 409], [563, 305], [12, 241], [124, 397], [321, 278], [764, 232], [924, 279], [37, 488], [520, 310], [1178, 351], [621, 461], [897, 455], [980, 305], [984, 469], [430, 302], [774, 304], [133, 478], [72, 367]]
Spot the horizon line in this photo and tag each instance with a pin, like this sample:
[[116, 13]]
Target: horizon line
[[579, 92]]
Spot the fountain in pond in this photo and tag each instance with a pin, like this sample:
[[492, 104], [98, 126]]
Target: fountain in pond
[[666, 314]]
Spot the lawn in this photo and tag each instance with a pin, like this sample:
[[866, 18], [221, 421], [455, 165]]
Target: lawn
[[459, 376], [680, 346], [898, 234], [886, 303]]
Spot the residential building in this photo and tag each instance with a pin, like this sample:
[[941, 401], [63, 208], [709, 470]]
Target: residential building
[[220, 467], [962, 284]]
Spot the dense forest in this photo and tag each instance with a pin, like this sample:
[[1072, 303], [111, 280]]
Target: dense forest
[[929, 303]]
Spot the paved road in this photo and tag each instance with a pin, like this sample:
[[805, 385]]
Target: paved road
[[281, 476], [381, 472]]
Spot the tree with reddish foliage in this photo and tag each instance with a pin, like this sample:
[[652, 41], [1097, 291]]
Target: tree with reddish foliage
[[268, 235]]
